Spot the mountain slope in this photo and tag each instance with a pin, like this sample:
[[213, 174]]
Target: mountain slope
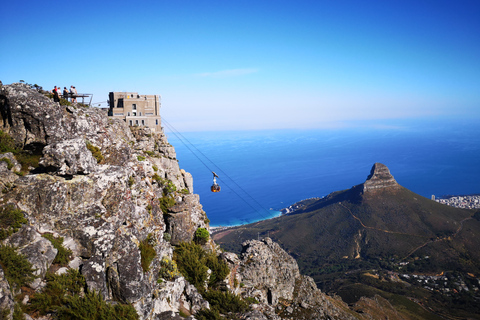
[[375, 225]]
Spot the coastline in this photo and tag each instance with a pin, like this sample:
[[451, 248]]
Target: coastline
[[215, 229]]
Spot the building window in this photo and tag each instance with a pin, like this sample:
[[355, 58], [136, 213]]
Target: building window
[[134, 106], [140, 114], [143, 122], [131, 123], [128, 113], [136, 122], [156, 122]]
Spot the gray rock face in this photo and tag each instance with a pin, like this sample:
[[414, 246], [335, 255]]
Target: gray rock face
[[102, 210], [268, 270], [379, 178], [106, 211], [271, 276], [6, 297], [69, 157]]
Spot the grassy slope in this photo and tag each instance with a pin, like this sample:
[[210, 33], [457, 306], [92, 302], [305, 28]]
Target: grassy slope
[[383, 227]]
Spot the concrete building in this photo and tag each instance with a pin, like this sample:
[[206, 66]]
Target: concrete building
[[136, 109]]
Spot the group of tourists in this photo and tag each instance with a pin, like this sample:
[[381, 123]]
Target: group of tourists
[[72, 94]]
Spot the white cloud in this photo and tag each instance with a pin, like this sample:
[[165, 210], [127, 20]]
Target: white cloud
[[227, 73]]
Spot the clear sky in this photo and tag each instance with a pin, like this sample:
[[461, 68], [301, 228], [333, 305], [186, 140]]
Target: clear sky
[[255, 64]]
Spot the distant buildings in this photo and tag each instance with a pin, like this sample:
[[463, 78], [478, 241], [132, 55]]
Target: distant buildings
[[465, 202], [136, 109]]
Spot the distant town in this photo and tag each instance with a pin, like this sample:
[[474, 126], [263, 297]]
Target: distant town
[[465, 202]]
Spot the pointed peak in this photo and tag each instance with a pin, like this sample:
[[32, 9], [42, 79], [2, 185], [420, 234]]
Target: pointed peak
[[379, 177]]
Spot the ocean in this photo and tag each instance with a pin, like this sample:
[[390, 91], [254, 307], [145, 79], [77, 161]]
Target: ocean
[[261, 172]]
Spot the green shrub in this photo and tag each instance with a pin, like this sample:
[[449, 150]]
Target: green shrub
[[166, 203], [64, 102], [225, 302], [190, 259], [11, 220], [18, 312], [167, 185], [219, 269], [96, 153], [25, 158], [18, 270], [8, 161], [193, 263], [208, 314], [56, 292], [202, 235], [147, 253], [4, 313], [184, 191], [93, 307], [167, 236], [155, 168], [62, 296], [168, 269], [140, 158], [63, 255], [131, 181], [7, 144], [150, 153]]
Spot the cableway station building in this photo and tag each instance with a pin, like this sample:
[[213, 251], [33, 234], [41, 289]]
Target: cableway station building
[[136, 109]]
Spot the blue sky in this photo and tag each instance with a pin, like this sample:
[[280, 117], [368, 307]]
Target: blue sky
[[240, 65]]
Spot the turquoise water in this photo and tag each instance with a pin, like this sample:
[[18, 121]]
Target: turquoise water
[[261, 172]]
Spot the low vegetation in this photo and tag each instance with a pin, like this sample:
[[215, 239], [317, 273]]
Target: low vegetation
[[167, 185], [147, 252], [64, 254], [18, 270], [166, 202], [27, 158], [11, 219], [96, 153], [64, 297], [202, 235], [168, 269], [193, 263]]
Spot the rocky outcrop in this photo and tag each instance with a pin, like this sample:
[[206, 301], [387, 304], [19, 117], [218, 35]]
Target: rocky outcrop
[[109, 190], [379, 178], [267, 273], [104, 201]]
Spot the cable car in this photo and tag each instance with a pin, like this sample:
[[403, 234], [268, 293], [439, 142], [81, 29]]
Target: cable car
[[215, 187]]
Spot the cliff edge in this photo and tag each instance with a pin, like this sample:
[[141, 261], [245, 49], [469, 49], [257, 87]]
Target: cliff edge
[[114, 198]]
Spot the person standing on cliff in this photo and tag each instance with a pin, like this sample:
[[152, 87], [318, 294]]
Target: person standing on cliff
[[65, 93], [73, 93], [56, 97]]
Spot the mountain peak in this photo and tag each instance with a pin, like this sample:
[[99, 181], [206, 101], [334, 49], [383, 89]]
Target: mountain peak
[[380, 177]]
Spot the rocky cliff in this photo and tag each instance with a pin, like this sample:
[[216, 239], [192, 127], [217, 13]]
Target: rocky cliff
[[111, 192], [379, 178]]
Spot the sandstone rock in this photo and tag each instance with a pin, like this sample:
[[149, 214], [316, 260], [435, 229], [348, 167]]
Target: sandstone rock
[[379, 178]]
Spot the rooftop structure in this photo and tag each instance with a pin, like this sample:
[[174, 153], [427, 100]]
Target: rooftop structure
[[136, 109]]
